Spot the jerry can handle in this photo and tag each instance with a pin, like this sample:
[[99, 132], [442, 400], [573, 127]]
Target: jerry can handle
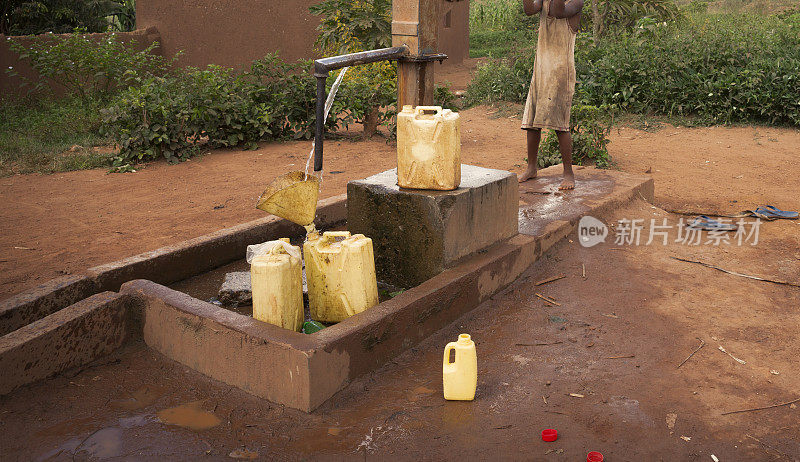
[[446, 359], [428, 110], [329, 236]]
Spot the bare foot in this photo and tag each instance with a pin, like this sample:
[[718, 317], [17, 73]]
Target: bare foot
[[568, 183], [529, 174]]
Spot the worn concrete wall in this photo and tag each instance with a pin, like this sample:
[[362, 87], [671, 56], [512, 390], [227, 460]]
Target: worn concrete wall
[[10, 86], [71, 337], [454, 31], [234, 33], [231, 33]]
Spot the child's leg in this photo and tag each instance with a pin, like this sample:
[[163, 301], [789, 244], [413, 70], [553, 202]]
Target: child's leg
[[565, 146], [534, 137]]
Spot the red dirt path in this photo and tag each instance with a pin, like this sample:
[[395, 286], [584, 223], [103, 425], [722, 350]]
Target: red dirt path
[[51, 225]]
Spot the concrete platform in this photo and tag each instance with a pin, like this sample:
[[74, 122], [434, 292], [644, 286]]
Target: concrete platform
[[416, 234]]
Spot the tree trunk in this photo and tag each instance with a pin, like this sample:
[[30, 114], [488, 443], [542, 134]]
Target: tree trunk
[[371, 122], [596, 22]]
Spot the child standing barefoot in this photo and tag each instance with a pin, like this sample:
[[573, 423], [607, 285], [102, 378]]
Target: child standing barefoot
[[553, 82]]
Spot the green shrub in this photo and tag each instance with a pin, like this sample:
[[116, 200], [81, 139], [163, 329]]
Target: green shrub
[[590, 128], [26, 17], [173, 116], [620, 16], [703, 68], [350, 26], [506, 79], [86, 66]]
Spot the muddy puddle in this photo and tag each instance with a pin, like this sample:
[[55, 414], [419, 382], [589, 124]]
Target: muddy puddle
[[189, 415]]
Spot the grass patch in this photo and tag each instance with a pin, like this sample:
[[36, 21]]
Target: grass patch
[[498, 43], [50, 136]]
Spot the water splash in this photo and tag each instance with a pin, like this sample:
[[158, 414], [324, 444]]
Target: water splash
[[328, 105]]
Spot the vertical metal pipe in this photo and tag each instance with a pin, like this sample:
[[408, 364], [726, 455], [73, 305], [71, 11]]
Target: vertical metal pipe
[[319, 129]]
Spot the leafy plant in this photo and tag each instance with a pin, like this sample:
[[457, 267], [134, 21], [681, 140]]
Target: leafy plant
[[590, 128], [86, 66], [353, 25], [624, 15], [350, 26], [701, 69], [175, 116], [26, 17]]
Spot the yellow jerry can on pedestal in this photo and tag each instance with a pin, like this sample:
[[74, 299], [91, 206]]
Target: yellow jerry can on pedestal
[[340, 274], [428, 148], [276, 280], [460, 377]]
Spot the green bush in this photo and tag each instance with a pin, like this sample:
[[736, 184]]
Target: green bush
[[590, 126], [506, 79], [86, 66], [720, 68], [620, 16], [173, 116], [26, 17]]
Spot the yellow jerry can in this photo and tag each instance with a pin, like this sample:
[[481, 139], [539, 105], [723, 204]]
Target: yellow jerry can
[[276, 280], [428, 148], [460, 377], [340, 274]]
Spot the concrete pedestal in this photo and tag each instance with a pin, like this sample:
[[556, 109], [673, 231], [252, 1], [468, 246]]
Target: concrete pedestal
[[418, 233]]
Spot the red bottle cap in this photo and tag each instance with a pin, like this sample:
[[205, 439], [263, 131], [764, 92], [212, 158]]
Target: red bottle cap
[[549, 435], [594, 456]]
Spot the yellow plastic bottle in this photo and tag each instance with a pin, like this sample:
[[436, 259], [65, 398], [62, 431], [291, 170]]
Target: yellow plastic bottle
[[460, 377], [340, 273], [428, 148], [277, 284]]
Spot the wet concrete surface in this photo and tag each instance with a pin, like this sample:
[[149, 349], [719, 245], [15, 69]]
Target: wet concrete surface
[[542, 203], [600, 368]]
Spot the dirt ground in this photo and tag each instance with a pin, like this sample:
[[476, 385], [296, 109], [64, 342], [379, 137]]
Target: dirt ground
[[605, 376], [615, 341], [51, 225]]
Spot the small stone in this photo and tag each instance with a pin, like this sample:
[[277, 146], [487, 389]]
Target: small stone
[[236, 289]]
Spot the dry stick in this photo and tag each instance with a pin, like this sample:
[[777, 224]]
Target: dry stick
[[548, 280], [538, 344], [757, 278], [551, 299], [778, 451], [762, 408], [702, 344], [583, 272], [552, 302], [621, 357]]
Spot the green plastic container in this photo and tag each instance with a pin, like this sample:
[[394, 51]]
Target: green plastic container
[[309, 327]]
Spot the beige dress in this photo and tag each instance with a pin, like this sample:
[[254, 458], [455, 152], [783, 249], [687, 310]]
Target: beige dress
[[553, 82]]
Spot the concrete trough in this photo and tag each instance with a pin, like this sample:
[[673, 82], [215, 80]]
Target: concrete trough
[[302, 371]]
